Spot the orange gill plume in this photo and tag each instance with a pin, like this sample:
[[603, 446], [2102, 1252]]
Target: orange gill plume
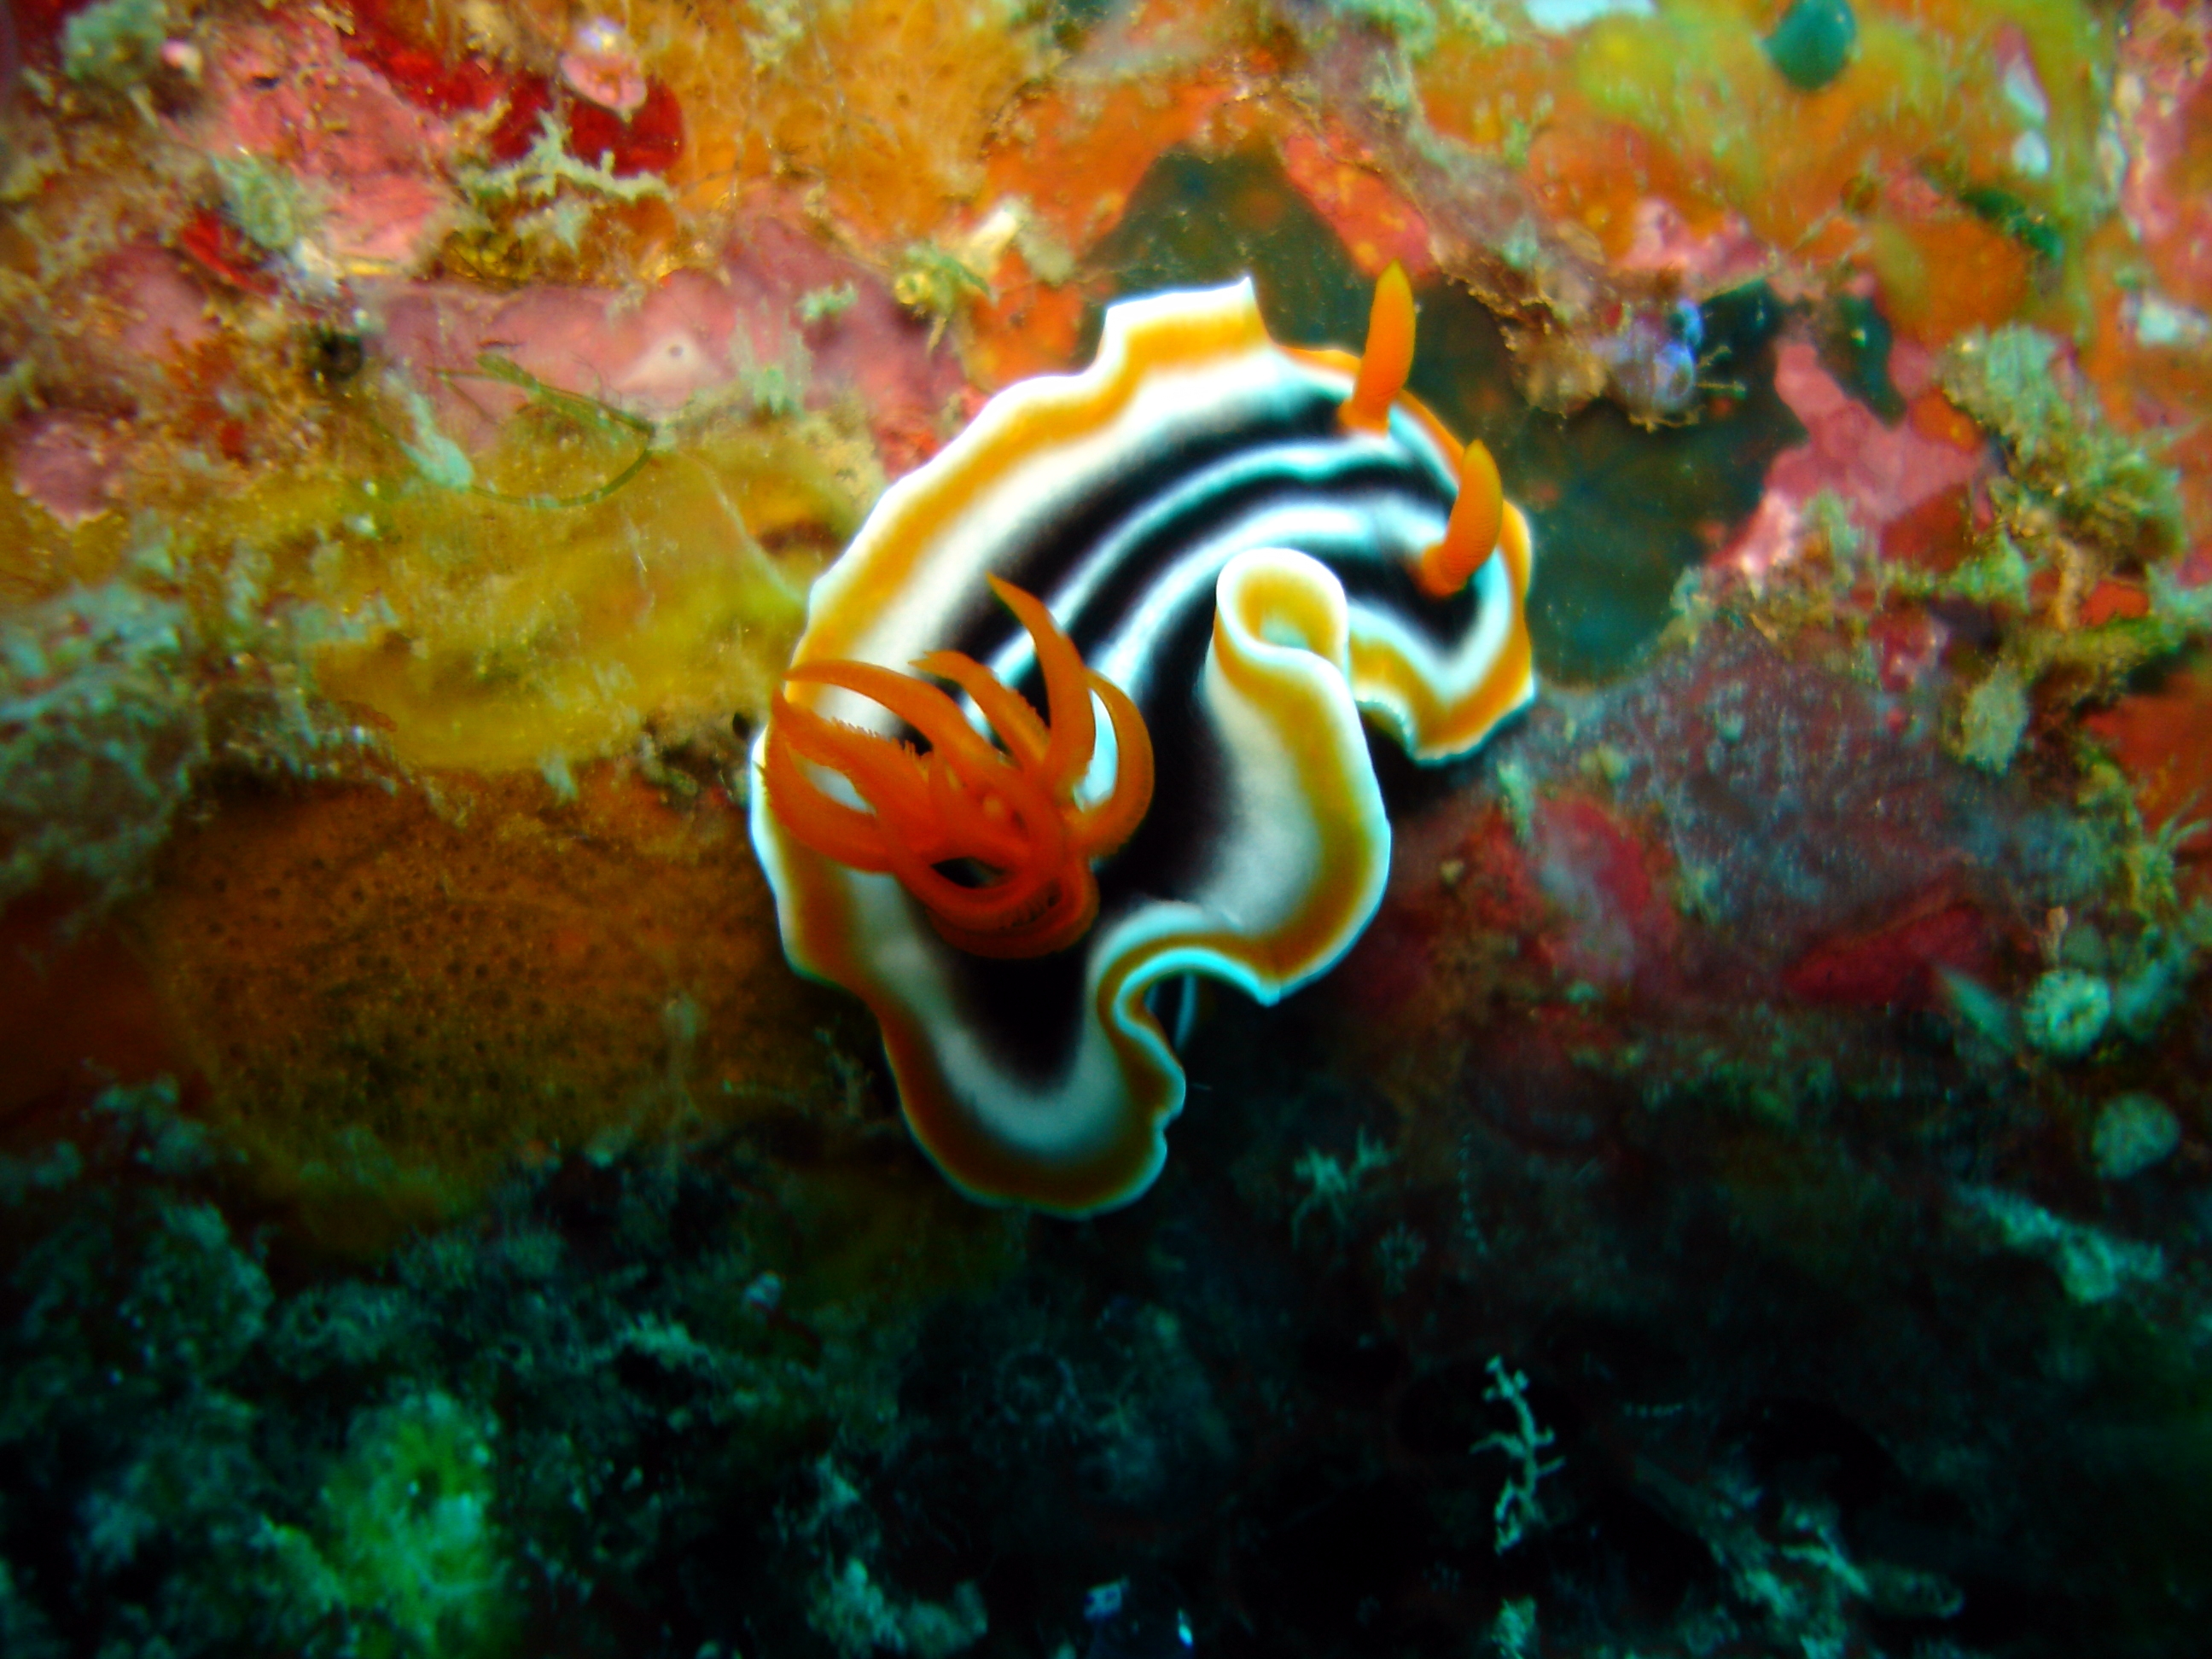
[[989, 840], [1478, 514]]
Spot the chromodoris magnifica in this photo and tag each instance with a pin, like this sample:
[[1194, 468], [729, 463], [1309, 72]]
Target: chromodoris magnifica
[[1237, 549]]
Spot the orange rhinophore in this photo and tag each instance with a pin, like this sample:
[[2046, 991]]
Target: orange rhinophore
[[1388, 357], [1470, 534], [989, 840]]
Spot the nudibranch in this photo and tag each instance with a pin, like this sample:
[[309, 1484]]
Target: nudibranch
[[1213, 560]]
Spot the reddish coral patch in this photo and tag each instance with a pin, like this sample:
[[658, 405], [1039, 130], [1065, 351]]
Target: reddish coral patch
[[1894, 965], [1388, 971], [2109, 600], [1377, 225], [2163, 738], [423, 77], [648, 141], [1908, 644], [38, 23], [1936, 416], [221, 249], [1025, 329], [76, 1010], [1936, 534], [1463, 899], [1617, 926], [527, 102]]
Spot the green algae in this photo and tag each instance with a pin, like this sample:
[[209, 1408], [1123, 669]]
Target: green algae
[[2026, 224], [1995, 720], [1995, 574], [2080, 501], [2098, 480], [2065, 1012], [414, 1556], [528, 1433], [2134, 1132], [116, 43], [266, 200], [592, 417]]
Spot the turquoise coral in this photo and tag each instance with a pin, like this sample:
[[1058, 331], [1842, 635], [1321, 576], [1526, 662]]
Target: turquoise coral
[[2066, 1013]]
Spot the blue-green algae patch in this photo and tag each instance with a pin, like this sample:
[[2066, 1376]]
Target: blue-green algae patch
[[1621, 510]]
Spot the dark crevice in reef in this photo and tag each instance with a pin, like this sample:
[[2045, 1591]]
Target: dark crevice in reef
[[1620, 510]]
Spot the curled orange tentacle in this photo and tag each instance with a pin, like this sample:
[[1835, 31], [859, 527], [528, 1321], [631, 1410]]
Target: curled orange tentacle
[[1100, 829], [832, 829], [1008, 711], [924, 707], [1073, 728], [882, 773], [988, 840]]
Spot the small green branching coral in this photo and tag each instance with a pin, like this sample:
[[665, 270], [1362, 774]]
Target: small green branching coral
[[1994, 574], [539, 174], [822, 304], [1333, 1186], [2080, 500], [1519, 1510]]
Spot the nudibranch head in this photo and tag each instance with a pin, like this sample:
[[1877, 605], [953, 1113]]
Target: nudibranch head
[[1234, 552]]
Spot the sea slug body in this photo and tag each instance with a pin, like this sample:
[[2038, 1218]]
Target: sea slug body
[[1254, 551]]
